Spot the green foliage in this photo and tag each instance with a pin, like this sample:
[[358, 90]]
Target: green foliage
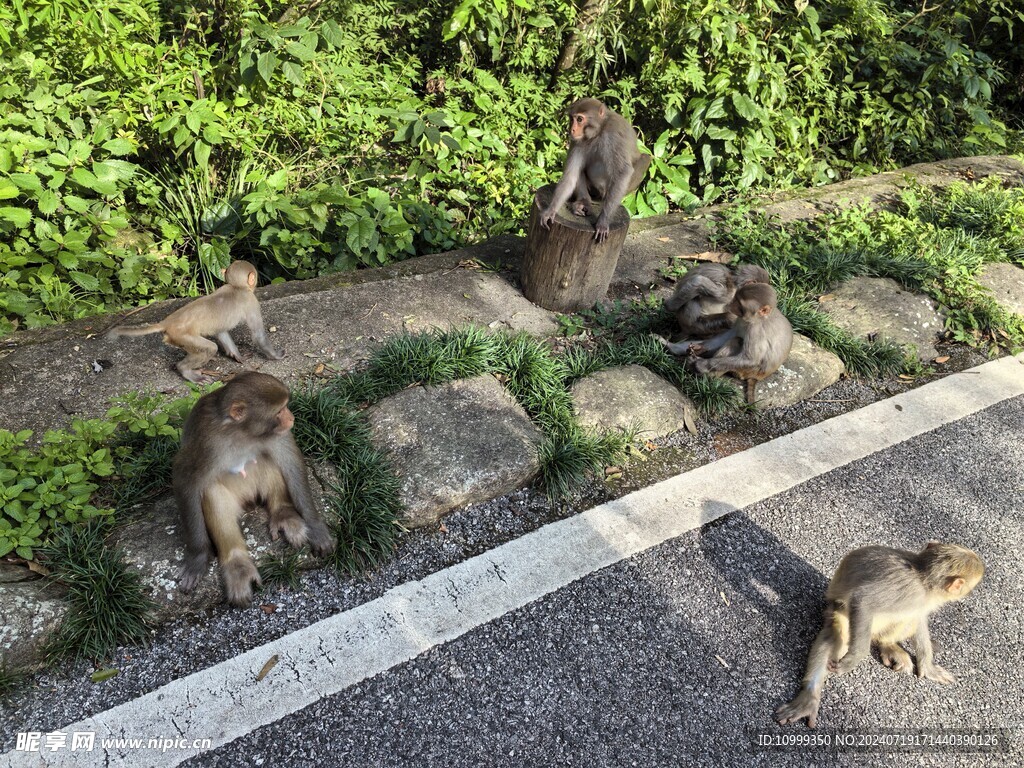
[[143, 145], [52, 484], [938, 244], [281, 569], [108, 601]]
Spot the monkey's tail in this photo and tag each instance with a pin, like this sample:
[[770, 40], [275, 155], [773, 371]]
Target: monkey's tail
[[134, 330]]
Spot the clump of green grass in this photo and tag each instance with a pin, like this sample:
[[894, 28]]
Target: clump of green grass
[[363, 501], [108, 603], [281, 569]]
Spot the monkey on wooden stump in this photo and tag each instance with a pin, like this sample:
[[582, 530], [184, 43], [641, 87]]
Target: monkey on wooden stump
[[237, 453], [213, 315], [883, 595], [603, 159], [702, 297]]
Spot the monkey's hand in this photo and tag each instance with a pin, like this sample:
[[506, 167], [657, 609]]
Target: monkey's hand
[[932, 671], [804, 705], [601, 230], [842, 666], [546, 218], [191, 572]]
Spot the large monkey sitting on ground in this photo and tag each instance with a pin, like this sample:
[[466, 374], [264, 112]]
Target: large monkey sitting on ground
[[237, 452], [603, 159], [883, 595], [212, 315]]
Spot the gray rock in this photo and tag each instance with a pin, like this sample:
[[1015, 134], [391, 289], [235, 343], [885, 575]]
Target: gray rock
[[877, 306], [30, 611], [807, 371], [1006, 281], [456, 444], [152, 544], [631, 396]]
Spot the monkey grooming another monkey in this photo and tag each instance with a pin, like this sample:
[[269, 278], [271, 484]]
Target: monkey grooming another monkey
[[603, 159], [883, 595], [757, 344], [237, 453], [213, 315], [702, 297]]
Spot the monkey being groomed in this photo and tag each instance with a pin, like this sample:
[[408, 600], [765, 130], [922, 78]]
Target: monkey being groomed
[[603, 159], [883, 595], [702, 297], [213, 315], [237, 453]]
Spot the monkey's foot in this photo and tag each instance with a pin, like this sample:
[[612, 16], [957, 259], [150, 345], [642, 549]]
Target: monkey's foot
[[239, 576], [321, 542], [291, 526], [934, 672], [580, 208], [276, 354], [804, 705], [896, 659], [196, 377]]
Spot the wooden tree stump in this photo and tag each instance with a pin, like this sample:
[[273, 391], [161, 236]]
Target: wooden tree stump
[[566, 269]]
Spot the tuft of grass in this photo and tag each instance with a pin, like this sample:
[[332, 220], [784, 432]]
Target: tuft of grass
[[281, 569], [363, 501], [10, 679], [108, 604], [146, 472]]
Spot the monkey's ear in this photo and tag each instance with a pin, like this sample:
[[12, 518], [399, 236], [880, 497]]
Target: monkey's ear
[[237, 410], [955, 585], [765, 310]]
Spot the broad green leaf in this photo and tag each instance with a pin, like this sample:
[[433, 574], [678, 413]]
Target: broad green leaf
[[19, 217]]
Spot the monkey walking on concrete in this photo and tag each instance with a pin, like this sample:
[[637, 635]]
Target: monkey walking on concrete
[[213, 315], [883, 595]]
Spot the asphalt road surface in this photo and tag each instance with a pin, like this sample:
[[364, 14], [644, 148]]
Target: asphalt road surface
[[671, 654]]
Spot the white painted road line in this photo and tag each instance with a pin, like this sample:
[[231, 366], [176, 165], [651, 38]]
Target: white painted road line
[[226, 701]]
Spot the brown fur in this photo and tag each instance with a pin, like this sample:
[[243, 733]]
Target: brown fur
[[238, 453], [603, 160], [213, 315]]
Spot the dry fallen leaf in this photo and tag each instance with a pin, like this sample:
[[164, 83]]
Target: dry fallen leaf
[[664, 239], [691, 425], [721, 661], [612, 471], [319, 369], [906, 377], [271, 663], [650, 446], [720, 257], [35, 567], [442, 528], [269, 608], [943, 359], [826, 297]]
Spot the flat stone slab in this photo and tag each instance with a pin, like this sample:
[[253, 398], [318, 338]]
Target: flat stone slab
[[1006, 281], [631, 396], [43, 385], [807, 371], [871, 307], [456, 444]]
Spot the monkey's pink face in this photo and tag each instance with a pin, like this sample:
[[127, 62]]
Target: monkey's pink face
[[285, 420], [577, 125]]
